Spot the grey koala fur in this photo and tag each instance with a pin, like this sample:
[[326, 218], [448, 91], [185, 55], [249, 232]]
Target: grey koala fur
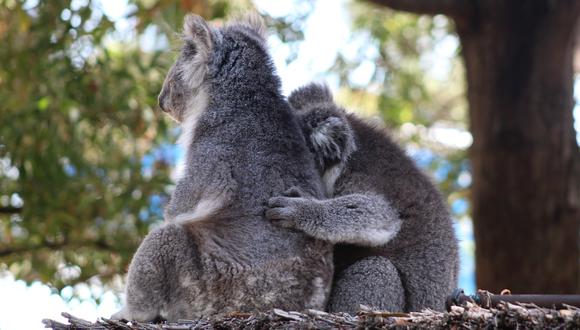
[[395, 245], [217, 253]]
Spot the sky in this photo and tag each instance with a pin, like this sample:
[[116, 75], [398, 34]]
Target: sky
[[327, 28]]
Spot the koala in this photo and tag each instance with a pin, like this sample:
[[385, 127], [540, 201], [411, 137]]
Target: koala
[[217, 253], [395, 247]]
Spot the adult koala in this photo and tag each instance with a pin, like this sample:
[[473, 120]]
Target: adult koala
[[396, 249], [217, 253]]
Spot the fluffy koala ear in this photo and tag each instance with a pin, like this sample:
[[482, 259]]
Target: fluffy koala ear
[[196, 30], [329, 134], [254, 22], [311, 95]]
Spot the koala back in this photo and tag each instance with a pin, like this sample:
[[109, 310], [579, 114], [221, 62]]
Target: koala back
[[243, 145]]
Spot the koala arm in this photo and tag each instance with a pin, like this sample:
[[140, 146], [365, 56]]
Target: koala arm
[[359, 219]]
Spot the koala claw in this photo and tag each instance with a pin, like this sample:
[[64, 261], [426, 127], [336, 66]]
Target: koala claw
[[278, 202], [283, 211], [294, 192], [280, 208]]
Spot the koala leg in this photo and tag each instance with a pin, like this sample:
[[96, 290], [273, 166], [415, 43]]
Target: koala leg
[[373, 281], [427, 281], [147, 287], [360, 219]]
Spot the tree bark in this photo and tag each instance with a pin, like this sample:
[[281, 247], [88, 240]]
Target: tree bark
[[525, 160]]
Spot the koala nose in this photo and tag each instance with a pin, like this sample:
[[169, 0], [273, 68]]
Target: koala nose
[[162, 100]]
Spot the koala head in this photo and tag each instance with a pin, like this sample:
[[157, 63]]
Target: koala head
[[326, 125], [204, 53]]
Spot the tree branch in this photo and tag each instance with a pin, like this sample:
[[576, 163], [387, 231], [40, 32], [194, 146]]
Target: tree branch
[[468, 315], [452, 8], [10, 210]]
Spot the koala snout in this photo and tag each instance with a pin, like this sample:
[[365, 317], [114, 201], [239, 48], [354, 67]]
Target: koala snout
[[162, 100]]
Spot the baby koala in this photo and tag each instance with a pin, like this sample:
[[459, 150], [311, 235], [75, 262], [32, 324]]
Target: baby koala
[[217, 253], [396, 248]]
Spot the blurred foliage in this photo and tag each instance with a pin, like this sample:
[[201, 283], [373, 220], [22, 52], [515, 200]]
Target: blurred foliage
[[412, 98], [397, 45], [85, 157]]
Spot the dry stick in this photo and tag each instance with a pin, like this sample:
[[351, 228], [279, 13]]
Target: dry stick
[[487, 299]]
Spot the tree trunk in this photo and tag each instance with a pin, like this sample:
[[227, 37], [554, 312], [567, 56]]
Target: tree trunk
[[525, 160]]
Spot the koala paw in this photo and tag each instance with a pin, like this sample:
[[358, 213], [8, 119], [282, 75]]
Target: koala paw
[[284, 211], [294, 192], [120, 315], [143, 316]]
